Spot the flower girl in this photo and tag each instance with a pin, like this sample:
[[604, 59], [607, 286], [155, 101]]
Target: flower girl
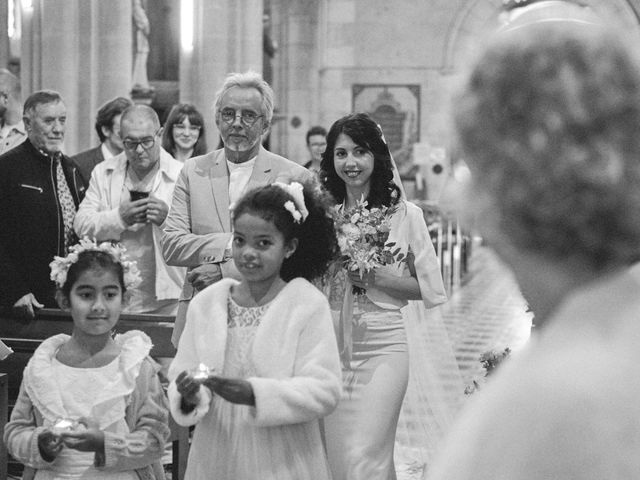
[[90, 404], [257, 365]]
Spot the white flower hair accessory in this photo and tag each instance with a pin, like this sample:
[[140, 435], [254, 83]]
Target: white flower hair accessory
[[297, 208], [60, 265]]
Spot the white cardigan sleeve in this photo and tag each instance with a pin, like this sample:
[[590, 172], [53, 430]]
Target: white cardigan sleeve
[[186, 359], [313, 390], [426, 261]]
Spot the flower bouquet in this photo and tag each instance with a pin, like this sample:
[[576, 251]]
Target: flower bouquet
[[490, 360], [362, 238]]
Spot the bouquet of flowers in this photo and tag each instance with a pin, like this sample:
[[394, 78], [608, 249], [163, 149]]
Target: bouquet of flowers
[[490, 361], [362, 238]]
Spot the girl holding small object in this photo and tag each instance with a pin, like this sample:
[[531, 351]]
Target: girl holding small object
[[371, 303], [268, 344], [91, 405]]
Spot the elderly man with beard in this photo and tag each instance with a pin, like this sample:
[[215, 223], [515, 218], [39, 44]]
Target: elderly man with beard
[[197, 233]]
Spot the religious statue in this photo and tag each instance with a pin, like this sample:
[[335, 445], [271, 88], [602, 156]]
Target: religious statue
[[141, 46]]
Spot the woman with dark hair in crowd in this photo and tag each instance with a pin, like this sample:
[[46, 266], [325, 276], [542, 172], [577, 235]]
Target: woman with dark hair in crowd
[[357, 165], [184, 135]]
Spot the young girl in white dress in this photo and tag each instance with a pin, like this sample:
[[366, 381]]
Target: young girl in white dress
[[257, 365], [91, 405]]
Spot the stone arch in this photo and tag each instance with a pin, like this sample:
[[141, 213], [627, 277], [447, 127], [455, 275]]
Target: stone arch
[[475, 19]]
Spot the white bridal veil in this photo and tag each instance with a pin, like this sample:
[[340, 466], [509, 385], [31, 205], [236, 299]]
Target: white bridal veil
[[436, 389]]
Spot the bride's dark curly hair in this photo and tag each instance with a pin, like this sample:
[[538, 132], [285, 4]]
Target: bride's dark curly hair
[[365, 132]]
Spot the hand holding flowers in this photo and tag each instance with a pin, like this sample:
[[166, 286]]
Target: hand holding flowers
[[362, 237]]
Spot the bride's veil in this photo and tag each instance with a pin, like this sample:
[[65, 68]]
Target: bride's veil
[[436, 389]]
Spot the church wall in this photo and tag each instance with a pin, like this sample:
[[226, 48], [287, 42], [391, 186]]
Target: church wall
[[361, 42]]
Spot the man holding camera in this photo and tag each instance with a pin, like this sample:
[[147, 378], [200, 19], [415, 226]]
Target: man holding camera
[[128, 201]]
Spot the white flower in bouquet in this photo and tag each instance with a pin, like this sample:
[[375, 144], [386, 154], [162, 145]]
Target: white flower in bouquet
[[362, 238]]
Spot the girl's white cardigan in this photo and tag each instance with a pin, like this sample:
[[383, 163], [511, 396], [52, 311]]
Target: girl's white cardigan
[[298, 368]]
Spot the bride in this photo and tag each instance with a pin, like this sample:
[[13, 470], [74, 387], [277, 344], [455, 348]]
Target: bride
[[372, 326]]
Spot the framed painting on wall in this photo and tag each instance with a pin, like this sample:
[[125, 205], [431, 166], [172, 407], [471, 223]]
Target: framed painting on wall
[[396, 108]]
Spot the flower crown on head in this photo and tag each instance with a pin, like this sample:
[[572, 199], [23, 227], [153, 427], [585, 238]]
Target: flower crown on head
[[297, 208], [60, 265]]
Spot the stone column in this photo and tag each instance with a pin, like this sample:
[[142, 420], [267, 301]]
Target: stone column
[[4, 36], [82, 49], [296, 75], [227, 37]]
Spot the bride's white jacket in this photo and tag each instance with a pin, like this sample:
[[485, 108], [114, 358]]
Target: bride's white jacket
[[294, 351]]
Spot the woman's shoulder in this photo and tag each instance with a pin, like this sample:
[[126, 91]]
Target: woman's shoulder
[[407, 207]]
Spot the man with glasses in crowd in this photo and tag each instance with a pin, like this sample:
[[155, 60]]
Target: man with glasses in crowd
[[197, 233], [128, 201], [12, 131], [40, 189], [108, 129]]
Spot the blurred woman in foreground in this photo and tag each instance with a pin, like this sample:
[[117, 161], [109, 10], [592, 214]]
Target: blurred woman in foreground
[[549, 122]]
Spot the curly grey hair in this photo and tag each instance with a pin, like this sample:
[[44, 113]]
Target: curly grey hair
[[549, 124]]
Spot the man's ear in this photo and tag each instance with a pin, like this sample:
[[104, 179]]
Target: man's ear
[[105, 131], [27, 123], [160, 132], [265, 128], [63, 300]]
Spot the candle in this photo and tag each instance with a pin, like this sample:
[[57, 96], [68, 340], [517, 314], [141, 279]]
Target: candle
[[201, 373], [63, 424]]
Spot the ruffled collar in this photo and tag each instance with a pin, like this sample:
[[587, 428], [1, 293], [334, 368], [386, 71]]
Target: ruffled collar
[[39, 381]]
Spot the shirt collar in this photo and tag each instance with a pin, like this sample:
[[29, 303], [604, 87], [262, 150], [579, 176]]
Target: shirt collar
[[52, 155], [244, 165], [106, 153]]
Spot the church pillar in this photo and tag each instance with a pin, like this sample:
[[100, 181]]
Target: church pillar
[[4, 36], [227, 37], [296, 76], [82, 49]]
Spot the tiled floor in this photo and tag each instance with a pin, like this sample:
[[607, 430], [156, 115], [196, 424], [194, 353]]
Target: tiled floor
[[486, 312]]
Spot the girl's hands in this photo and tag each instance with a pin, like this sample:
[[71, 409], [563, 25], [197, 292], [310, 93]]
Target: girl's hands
[[89, 440], [86, 437], [234, 390], [188, 388], [49, 445]]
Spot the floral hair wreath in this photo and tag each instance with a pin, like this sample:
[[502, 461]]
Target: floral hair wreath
[[61, 265], [297, 208]]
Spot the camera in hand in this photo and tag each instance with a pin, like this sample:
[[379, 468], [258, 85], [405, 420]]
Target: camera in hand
[[137, 195]]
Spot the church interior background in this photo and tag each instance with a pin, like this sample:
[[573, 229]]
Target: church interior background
[[399, 60]]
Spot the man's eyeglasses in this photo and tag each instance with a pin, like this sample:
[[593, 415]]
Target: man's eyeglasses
[[247, 117], [180, 128], [146, 143]]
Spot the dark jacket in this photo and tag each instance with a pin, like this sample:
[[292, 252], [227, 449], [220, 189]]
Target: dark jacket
[[31, 228], [87, 160]]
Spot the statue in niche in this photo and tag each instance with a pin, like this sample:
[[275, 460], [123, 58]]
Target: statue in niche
[[141, 46]]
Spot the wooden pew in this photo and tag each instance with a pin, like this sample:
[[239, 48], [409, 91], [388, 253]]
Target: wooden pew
[[25, 336]]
